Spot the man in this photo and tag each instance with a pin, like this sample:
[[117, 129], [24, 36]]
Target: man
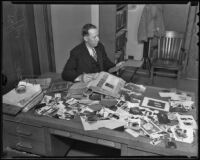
[[88, 57]]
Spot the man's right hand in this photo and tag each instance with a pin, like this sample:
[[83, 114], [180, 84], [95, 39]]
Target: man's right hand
[[116, 67]]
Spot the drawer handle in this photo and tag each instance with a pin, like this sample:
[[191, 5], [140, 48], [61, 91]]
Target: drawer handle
[[19, 144], [23, 133]]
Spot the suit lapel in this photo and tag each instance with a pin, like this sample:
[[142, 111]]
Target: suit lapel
[[86, 56]]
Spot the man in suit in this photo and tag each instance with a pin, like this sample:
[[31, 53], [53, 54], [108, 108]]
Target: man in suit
[[87, 57]]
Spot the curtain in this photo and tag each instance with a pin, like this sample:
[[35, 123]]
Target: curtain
[[191, 44]]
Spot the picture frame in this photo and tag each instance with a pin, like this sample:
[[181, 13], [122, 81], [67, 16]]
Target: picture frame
[[59, 86], [155, 104]]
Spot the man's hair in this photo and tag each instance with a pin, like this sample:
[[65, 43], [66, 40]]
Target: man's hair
[[86, 28]]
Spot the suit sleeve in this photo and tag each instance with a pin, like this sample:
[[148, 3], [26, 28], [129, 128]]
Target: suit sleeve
[[70, 72], [107, 64]]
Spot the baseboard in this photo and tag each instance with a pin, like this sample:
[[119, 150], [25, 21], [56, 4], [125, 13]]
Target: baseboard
[[192, 79]]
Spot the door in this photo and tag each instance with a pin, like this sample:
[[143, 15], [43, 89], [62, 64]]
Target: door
[[20, 53]]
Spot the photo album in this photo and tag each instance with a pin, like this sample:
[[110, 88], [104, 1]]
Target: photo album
[[107, 84]]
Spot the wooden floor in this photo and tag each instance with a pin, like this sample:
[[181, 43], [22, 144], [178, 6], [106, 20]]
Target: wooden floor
[[141, 78]]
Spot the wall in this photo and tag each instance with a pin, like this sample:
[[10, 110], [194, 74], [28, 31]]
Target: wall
[[133, 48], [95, 15], [175, 16], [67, 21]]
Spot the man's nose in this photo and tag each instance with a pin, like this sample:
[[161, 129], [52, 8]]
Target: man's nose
[[97, 39]]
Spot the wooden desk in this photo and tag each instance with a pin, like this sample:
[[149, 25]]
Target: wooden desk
[[39, 135]]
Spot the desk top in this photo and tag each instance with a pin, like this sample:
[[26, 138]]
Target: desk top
[[140, 143]]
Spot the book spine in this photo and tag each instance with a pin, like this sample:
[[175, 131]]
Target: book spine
[[33, 102]]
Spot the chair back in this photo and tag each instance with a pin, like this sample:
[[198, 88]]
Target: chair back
[[169, 46]]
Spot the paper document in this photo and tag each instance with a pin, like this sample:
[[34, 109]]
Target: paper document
[[111, 124], [22, 99]]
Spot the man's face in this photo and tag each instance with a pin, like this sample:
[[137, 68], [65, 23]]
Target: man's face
[[93, 38]]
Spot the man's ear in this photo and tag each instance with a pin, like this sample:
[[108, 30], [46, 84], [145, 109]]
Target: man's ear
[[85, 38]]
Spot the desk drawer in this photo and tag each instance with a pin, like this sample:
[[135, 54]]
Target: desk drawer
[[24, 130], [26, 144]]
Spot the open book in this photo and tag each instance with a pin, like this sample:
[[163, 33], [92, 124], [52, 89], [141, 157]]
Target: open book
[[107, 84]]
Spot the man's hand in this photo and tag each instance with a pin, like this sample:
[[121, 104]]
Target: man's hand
[[86, 77], [116, 67], [120, 64]]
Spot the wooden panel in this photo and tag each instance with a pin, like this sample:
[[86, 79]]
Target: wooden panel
[[28, 131], [13, 32], [109, 143], [60, 133], [25, 144], [31, 32], [83, 138], [124, 150], [135, 152], [18, 46], [50, 42], [41, 38]]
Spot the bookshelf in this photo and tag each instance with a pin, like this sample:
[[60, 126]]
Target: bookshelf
[[113, 29]]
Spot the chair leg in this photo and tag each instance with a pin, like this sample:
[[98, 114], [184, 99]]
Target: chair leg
[[178, 75], [149, 66], [131, 79], [152, 74]]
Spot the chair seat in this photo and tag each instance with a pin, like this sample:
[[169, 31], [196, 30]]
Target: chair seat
[[162, 63]]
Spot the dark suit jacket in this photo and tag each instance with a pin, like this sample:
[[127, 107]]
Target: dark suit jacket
[[80, 62]]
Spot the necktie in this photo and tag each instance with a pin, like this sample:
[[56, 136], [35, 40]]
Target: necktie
[[94, 54]]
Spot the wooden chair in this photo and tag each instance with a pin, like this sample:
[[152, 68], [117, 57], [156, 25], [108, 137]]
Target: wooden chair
[[168, 57]]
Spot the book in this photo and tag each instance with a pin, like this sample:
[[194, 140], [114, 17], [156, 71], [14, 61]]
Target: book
[[44, 82], [14, 98], [33, 102], [14, 102]]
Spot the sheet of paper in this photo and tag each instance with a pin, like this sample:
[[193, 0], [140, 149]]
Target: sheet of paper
[[111, 124], [166, 94], [89, 126]]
